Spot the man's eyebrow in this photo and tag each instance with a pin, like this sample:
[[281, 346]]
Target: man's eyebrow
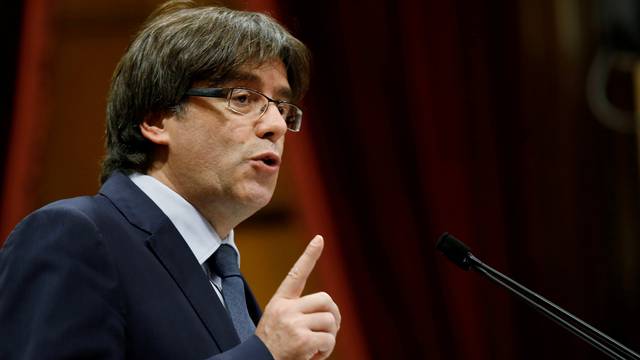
[[284, 93], [281, 93], [242, 76]]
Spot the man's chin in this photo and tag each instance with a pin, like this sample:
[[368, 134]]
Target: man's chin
[[257, 198], [260, 202]]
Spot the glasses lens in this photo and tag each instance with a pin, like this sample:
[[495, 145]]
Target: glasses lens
[[292, 115], [247, 102]]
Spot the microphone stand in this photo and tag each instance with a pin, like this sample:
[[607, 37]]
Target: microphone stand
[[461, 255]]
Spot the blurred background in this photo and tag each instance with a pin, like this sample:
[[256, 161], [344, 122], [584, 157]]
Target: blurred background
[[507, 123]]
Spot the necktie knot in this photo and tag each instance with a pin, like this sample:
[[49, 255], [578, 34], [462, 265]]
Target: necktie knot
[[225, 261]]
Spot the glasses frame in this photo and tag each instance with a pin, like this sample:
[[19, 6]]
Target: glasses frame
[[226, 93]]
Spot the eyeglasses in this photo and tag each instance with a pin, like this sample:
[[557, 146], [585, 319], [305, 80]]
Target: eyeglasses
[[252, 103]]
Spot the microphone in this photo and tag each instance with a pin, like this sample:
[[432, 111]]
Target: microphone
[[460, 254]]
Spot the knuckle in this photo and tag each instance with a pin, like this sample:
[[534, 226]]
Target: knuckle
[[292, 324], [332, 341], [325, 296], [300, 339], [328, 318], [327, 343], [294, 273], [277, 308]]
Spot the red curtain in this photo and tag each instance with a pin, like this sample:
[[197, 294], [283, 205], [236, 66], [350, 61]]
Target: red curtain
[[28, 99], [318, 220], [467, 117], [10, 28], [431, 116]]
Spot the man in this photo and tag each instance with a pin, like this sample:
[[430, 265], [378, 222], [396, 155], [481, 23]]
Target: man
[[196, 119]]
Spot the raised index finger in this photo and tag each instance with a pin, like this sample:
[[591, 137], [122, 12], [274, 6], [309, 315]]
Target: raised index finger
[[293, 285]]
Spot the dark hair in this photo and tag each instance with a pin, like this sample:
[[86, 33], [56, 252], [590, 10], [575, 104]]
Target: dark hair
[[182, 43]]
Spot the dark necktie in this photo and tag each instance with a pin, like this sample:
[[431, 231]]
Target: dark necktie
[[224, 262]]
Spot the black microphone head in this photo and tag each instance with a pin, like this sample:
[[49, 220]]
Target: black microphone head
[[455, 250]]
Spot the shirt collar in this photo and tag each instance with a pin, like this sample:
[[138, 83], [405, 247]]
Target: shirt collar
[[198, 233]]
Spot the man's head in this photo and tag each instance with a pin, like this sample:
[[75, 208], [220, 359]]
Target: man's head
[[183, 46]]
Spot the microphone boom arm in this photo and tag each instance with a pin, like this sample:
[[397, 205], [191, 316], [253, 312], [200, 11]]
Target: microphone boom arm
[[461, 255]]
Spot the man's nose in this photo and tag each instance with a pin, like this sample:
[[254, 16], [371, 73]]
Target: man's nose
[[271, 124]]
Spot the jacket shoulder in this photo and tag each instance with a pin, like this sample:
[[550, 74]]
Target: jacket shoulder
[[57, 277], [63, 221]]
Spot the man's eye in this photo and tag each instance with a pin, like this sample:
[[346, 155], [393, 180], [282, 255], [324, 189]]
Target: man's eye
[[284, 110], [240, 99], [243, 99]]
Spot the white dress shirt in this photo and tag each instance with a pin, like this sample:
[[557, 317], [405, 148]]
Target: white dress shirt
[[200, 236]]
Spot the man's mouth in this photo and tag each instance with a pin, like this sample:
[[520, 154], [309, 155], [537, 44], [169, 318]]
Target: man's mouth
[[269, 158]]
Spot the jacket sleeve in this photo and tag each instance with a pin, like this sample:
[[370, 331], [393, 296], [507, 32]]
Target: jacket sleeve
[[59, 290], [252, 348]]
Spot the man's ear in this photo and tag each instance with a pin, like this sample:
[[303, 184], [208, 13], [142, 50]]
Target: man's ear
[[154, 128]]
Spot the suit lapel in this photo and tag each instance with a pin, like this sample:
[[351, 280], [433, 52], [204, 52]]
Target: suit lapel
[[179, 261], [173, 252]]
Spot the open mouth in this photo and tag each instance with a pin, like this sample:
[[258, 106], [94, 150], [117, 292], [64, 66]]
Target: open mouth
[[270, 159]]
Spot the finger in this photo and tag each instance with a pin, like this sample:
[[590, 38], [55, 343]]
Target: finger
[[319, 302], [293, 285], [320, 322], [323, 342], [319, 356]]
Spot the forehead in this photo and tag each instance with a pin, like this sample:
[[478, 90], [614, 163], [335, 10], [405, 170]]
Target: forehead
[[269, 77]]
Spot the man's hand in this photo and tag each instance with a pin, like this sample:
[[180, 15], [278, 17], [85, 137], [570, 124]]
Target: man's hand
[[294, 327]]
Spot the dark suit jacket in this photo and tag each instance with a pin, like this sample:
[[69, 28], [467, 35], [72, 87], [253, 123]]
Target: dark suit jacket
[[109, 277]]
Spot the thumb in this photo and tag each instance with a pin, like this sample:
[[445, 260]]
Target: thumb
[[293, 285]]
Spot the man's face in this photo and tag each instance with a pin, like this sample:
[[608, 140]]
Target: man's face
[[222, 161]]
